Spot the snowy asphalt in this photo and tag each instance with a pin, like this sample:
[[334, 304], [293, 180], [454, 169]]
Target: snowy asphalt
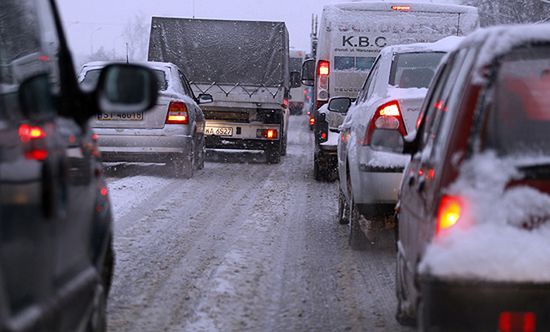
[[243, 246]]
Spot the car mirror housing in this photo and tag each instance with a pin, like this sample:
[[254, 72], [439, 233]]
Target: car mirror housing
[[308, 72], [339, 104], [205, 98], [295, 79], [126, 88]]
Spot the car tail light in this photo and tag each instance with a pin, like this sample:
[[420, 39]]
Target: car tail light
[[177, 113], [285, 103], [387, 116], [451, 210], [323, 72], [33, 137], [517, 322], [401, 8], [311, 120], [271, 134]]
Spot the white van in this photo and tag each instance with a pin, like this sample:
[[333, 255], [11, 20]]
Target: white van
[[297, 95], [352, 34]]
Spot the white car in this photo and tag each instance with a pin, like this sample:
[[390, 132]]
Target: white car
[[171, 133], [390, 99]]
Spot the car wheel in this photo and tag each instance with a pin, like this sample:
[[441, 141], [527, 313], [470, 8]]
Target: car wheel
[[98, 318], [108, 268], [283, 149], [182, 166], [273, 153], [401, 315], [343, 207], [357, 239], [317, 172], [202, 156]]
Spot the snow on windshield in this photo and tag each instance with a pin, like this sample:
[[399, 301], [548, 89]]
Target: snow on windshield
[[504, 234]]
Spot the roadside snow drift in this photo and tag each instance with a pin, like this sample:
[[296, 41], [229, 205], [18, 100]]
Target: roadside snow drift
[[505, 233]]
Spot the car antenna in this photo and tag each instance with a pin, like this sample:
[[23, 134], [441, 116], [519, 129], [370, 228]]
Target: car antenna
[[127, 54]]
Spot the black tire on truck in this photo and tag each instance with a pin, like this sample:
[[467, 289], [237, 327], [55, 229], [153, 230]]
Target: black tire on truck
[[273, 153]]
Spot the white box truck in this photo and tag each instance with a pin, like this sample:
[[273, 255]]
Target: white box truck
[[297, 95]]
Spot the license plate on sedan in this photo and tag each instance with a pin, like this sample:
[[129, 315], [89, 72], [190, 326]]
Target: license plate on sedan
[[120, 116], [219, 131]]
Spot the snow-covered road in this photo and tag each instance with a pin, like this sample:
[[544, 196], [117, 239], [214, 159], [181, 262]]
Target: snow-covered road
[[243, 246]]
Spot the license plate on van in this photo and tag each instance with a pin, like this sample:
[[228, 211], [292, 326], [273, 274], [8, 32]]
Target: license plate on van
[[120, 116], [219, 131]]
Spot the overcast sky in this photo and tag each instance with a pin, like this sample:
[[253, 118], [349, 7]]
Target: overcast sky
[[91, 24]]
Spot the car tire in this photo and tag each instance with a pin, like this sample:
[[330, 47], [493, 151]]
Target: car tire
[[182, 167], [108, 268], [98, 319], [400, 315], [357, 239], [284, 147], [318, 174], [273, 153], [343, 217], [201, 157]]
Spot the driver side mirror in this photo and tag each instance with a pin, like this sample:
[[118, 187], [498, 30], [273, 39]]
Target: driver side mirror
[[295, 80], [308, 72], [205, 98], [339, 104], [126, 88]]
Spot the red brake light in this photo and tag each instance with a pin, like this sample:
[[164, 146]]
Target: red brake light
[[451, 209], [177, 113], [311, 121], [323, 69], [401, 8], [270, 134], [28, 133], [387, 116], [517, 322]]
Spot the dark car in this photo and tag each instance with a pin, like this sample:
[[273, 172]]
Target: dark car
[[56, 257], [474, 206]]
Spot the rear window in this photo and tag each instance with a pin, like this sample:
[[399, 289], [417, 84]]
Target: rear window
[[92, 76], [414, 70], [519, 114], [351, 63]]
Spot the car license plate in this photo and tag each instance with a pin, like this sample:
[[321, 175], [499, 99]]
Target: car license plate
[[219, 131], [120, 116]]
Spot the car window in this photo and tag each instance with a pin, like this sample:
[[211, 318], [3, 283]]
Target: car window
[[91, 78], [28, 47], [519, 118], [414, 70], [368, 87]]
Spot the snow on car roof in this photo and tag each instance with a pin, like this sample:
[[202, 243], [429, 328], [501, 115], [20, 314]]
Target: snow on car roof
[[499, 40], [446, 44]]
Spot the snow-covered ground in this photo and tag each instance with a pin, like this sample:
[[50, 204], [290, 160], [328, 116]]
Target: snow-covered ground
[[243, 247]]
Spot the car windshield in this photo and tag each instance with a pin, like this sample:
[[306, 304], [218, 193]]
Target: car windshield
[[414, 70], [519, 118], [91, 77]]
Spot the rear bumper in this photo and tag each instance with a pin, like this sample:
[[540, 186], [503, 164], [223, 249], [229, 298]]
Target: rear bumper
[[217, 142], [477, 306], [120, 148]]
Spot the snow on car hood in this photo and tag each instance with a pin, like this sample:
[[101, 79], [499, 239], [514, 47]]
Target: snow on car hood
[[492, 244]]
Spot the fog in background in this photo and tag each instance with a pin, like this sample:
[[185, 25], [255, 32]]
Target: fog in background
[[100, 29]]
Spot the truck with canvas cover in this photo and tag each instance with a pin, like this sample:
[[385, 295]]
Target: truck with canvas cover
[[244, 65]]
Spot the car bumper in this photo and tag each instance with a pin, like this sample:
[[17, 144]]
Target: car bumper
[[477, 306], [119, 148]]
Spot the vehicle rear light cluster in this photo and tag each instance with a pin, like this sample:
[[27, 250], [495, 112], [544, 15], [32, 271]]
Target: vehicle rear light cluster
[[271, 134], [451, 211], [177, 113], [33, 137], [323, 73], [387, 116], [517, 322], [401, 8], [311, 120]]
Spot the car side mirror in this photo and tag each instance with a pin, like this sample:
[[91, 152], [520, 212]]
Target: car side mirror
[[126, 88], [339, 104], [35, 97], [205, 98], [295, 79], [308, 72]]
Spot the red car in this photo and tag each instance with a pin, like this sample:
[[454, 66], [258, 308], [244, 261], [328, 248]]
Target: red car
[[474, 205]]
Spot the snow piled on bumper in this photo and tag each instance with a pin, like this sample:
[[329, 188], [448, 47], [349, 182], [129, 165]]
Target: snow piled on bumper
[[503, 236]]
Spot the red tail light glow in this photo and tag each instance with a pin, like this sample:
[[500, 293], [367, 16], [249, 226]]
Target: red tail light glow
[[517, 322], [28, 133], [387, 116], [401, 8], [270, 134], [311, 121], [177, 113], [451, 210], [323, 68]]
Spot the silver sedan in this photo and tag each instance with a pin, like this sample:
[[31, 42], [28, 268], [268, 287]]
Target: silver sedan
[[171, 133]]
